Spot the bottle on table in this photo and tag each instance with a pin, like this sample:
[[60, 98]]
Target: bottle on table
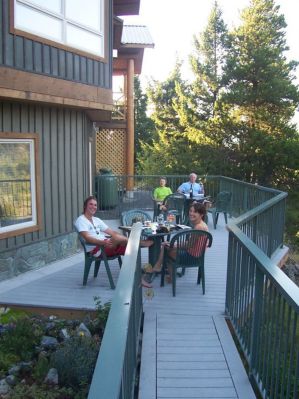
[[191, 191], [160, 219]]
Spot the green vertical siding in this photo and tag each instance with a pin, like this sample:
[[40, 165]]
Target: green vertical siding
[[64, 136], [31, 56]]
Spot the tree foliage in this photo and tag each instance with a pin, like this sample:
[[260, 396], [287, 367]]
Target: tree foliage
[[235, 118], [144, 126]]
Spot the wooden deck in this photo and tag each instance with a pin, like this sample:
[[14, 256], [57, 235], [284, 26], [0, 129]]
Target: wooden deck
[[187, 350]]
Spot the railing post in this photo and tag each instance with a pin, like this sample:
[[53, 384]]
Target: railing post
[[229, 275], [256, 319]]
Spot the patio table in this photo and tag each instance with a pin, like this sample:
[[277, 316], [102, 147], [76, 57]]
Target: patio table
[[157, 238]]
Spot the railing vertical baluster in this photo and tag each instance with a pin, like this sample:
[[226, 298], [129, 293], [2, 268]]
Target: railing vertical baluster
[[256, 317]]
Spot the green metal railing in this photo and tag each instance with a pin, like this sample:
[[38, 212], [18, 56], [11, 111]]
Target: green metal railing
[[116, 193], [119, 193], [114, 375], [262, 302]]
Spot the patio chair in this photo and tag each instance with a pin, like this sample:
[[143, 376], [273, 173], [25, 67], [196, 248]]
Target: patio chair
[[88, 259], [134, 215], [175, 204], [155, 206], [190, 252], [221, 205], [128, 218]]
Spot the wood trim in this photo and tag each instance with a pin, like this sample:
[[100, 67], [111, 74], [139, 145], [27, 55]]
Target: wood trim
[[37, 182], [43, 40], [16, 233], [38, 226], [15, 84], [130, 122], [126, 7]]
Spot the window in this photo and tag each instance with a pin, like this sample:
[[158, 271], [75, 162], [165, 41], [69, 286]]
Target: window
[[19, 177], [68, 22]]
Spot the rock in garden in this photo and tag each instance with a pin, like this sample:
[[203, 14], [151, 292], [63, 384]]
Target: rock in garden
[[64, 334], [83, 330], [4, 387], [50, 326], [52, 377], [14, 370], [11, 380], [49, 342], [25, 366]]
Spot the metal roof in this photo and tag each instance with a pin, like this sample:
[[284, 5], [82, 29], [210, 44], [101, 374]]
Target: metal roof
[[136, 36]]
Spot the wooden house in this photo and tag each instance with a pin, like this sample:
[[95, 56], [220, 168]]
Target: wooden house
[[56, 69]]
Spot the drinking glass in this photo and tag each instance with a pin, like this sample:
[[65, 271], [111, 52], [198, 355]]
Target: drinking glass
[[160, 219]]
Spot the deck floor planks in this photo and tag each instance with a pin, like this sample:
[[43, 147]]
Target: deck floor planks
[[186, 337]]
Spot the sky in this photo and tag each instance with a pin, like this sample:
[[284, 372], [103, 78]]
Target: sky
[[172, 24]]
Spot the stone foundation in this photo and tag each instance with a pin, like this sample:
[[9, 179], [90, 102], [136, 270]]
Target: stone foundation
[[37, 255]]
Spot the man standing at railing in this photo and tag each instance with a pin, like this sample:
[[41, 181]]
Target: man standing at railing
[[191, 186], [97, 234]]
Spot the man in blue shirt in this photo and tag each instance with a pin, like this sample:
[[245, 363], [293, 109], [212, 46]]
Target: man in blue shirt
[[197, 188]]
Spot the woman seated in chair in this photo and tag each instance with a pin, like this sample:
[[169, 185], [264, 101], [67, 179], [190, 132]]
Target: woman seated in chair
[[161, 192], [197, 214], [97, 234]]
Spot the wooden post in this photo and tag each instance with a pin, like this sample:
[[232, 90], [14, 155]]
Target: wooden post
[[130, 124]]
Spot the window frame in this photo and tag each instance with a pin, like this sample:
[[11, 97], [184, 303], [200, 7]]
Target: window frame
[[59, 45], [36, 203]]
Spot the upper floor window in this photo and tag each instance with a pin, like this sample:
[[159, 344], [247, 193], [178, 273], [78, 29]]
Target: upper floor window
[[19, 207], [74, 23]]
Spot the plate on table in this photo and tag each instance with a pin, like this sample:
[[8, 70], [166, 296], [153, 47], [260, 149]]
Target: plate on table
[[182, 226]]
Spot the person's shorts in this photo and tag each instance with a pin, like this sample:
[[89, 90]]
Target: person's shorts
[[119, 250], [184, 256]]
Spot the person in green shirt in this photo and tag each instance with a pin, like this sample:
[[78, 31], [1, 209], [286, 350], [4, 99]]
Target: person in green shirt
[[161, 192]]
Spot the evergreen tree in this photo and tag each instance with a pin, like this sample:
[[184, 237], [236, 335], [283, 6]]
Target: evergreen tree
[[169, 151], [199, 105], [261, 93], [208, 62], [144, 126]]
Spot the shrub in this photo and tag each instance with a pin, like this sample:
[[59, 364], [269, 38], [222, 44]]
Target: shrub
[[102, 313], [75, 361], [21, 338], [22, 391]]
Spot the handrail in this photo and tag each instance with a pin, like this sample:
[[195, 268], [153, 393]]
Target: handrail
[[262, 303], [286, 285], [244, 183], [260, 208], [115, 369]]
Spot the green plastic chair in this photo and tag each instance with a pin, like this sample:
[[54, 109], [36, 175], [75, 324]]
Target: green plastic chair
[[155, 206], [128, 218], [89, 258], [175, 204], [222, 205], [190, 252]]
